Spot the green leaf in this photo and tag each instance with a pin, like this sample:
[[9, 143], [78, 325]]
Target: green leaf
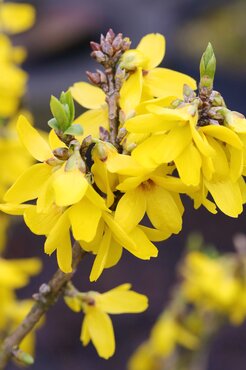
[[59, 113], [53, 124], [75, 129], [67, 99]]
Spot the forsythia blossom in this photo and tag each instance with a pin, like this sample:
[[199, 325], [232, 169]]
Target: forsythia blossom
[[97, 325]]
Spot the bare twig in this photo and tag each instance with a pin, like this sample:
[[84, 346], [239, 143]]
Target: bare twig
[[45, 299]]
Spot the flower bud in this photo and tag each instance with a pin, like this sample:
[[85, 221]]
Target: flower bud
[[207, 68]]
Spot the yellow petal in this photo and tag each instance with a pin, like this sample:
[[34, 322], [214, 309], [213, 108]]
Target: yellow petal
[[131, 183], [173, 184], [41, 223], [153, 47], [238, 123], [189, 174], [145, 249], [201, 141], [143, 107], [227, 196], [84, 218], [54, 141], [32, 140], [114, 254], [131, 209], [15, 18], [100, 328], [242, 186], [155, 235], [131, 91], [224, 134], [14, 209], [162, 210], [101, 257], [59, 239], [120, 301], [91, 122], [29, 184], [105, 181], [84, 336], [69, 186], [124, 165], [219, 160], [172, 145], [46, 197], [236, 163], [144, 151], [162, 82], [87, 95], [147, 123], [64, 255], [96, 199], [120, 234]]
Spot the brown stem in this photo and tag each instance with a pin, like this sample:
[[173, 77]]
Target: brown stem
[[45, 299], [112, 101]]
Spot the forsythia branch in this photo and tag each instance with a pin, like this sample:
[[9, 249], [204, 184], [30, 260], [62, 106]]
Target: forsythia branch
[[46, 298]]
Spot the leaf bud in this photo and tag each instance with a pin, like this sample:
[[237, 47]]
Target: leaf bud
[[207, 67]]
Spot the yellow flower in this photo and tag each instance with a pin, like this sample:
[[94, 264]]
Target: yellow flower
[[200, 273], [16, 18], [157, 82], [97, 325], [105, 180], [166, 334], [154, 192], [112, 236], [14, 158], [15, 273], [60, 181]]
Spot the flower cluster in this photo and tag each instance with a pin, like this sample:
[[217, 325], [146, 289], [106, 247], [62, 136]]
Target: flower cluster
[[146, 139]]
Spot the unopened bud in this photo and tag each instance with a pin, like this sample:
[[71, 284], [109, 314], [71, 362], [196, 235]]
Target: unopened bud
[[22, 356], [93, 77], [95, 46], [126, 43], [53, 162], [207, 68], [132, 59], [103, 134], [217, 99], [110, 35], [117, 42], [61, 153], [103, 78], [188, 93], [101, 151], [99, 56]]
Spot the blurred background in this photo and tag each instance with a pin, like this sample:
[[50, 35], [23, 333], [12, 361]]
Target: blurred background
[[58, 56]]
